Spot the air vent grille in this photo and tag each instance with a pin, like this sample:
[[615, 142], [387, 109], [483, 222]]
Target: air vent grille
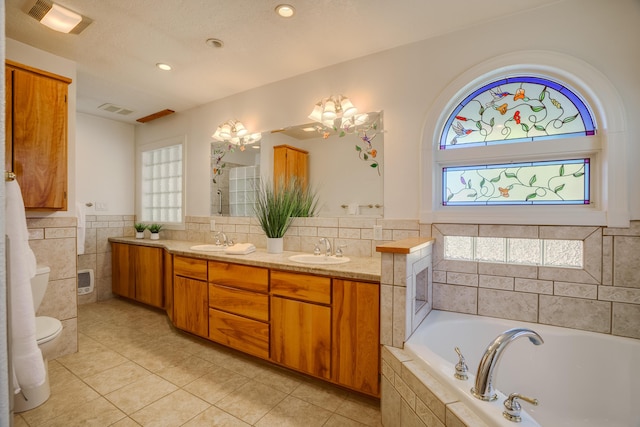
[[116, 109]]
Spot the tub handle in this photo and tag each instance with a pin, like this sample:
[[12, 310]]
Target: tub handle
[[512, 406], [461, 367]]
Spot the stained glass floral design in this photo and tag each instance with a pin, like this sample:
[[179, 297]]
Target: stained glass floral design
[[516, 109], [547, 182]]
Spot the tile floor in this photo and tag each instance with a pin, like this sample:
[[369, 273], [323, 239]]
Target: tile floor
[[133, 368]]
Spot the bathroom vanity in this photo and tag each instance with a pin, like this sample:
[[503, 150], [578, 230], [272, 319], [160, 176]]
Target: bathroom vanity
[[321, 320]]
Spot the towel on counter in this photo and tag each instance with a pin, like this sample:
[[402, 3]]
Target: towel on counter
[[240, 249], [81, 214], [28, 365]]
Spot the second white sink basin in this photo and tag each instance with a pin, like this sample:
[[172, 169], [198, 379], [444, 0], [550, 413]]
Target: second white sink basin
[[318, 259], [208, 248]]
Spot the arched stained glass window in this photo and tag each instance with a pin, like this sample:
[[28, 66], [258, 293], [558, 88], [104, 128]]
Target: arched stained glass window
[[517, 109]]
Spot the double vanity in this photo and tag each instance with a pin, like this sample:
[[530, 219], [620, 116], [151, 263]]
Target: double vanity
[[318, 318]]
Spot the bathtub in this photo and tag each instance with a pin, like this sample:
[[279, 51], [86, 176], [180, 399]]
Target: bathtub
[[580, 378]]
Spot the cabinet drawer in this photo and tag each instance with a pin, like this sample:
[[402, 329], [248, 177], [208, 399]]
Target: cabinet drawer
[[190, 267], [249, 336], [238, 301], [301, 286], [239, 276]]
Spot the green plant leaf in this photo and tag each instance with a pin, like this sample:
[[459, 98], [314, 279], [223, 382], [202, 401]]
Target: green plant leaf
[[578, 174], [530, 196], [561, 170], [539, 127], [482, 182], [472, 195], [374, 165], [558, 188], [532, 180], [496, 179], [481, 112], [569, 119], [358, 148], [365, 156], [479, 125], [342, 133], [542, 94], [537, 108], [525, 127], [492, 122], [449, 197], [510, 175]]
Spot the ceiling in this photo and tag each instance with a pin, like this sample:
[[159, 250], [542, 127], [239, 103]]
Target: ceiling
[[117, 53]]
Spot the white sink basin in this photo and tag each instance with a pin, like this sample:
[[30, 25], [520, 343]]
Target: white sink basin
[[208, 248], [318, 259]]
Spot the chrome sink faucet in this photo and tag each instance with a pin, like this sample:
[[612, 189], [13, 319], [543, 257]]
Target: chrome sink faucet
[[224, 238], [483, 389], [327, 246]]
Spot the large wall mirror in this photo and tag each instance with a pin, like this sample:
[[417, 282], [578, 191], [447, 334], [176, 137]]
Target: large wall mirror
[[346, 169]]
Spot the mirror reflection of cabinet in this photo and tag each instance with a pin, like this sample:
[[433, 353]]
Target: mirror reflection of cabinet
[[289, 162]]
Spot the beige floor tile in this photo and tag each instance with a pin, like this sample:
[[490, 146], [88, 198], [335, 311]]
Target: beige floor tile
[[245, 365], [98, 412], [279, 378], [320, 394], [216, 385], [293, 412], [87, 363], [336, 420], [215, 417], [158, 356], [187, 370], [251, 401], [125, 422], [117, 377], [140, 393], [18, 421], [172, 410], [361, 409]]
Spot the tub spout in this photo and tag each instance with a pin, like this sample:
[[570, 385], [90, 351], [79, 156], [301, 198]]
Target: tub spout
[[483, 389]]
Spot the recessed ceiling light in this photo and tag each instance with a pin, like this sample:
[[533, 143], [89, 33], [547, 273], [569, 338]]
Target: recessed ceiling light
[[216, 43], [285, 10], [163, 66]]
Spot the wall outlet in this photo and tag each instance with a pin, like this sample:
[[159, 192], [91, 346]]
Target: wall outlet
[[213, 225], [377, 232]]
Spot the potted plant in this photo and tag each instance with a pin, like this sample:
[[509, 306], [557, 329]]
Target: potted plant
[[275, 209], [155, 231], [140, 227]]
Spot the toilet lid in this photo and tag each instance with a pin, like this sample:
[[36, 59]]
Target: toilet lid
[[47, 328]]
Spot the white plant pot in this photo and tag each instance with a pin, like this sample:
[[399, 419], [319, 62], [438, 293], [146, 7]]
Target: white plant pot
[[139, 234], [275, 245], [155, 236]]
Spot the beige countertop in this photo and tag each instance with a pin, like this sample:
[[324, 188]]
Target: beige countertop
[[359, 268]]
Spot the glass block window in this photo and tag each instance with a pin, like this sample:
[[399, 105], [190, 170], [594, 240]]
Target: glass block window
[[516, 109], [162, 182], [549, 182], [541, 252]]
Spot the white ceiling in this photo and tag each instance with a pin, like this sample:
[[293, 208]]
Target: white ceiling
[[117, 53]]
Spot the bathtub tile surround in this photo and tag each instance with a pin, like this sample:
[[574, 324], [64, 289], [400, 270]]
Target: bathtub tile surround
[[584, 298]]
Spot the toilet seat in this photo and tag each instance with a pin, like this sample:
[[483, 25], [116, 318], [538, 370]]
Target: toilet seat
[[47, 328]]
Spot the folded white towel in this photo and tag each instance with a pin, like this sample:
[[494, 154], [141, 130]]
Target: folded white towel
[[240, 249], [28, 365]]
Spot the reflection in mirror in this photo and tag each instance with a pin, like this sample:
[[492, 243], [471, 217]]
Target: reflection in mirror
[[344, 168]]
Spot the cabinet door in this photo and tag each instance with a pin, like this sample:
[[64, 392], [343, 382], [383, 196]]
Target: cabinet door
[[190, 305], [40, 139], [149, 275], [356, 335], [123, 281], [289, 162], [301, 336], [247, 335], [8, 97]]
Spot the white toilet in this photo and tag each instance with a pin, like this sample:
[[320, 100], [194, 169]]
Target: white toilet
[[48, 332]]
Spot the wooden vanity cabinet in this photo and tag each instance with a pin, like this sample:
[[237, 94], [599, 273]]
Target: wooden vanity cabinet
[[301, 322], [137, 273], [36, 135], [239, 307], [289, 162], [355, 346], [190, 295]]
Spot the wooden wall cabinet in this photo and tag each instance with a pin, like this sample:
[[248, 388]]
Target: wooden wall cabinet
[[190, 295], [239, 307], [138, 273], [301, 322], [36, 135], [289, 162]]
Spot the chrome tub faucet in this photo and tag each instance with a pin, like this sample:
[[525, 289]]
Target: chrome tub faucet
[[483, 389]]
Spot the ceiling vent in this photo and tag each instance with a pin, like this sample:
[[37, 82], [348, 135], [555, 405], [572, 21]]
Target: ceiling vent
[[115, 109]]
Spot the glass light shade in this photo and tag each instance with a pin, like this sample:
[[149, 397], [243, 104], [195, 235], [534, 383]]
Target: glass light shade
[[60, 19], [240, 129], [348, 108], [329, 112], [360, 119], [316, 114], [225, 131]]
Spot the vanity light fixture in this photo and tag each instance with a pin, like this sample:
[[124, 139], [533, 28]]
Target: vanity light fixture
[[336, 112], [235, 132], [58, 18], [285, 10]]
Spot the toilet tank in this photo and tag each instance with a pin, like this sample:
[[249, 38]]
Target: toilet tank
[[39, 285]]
